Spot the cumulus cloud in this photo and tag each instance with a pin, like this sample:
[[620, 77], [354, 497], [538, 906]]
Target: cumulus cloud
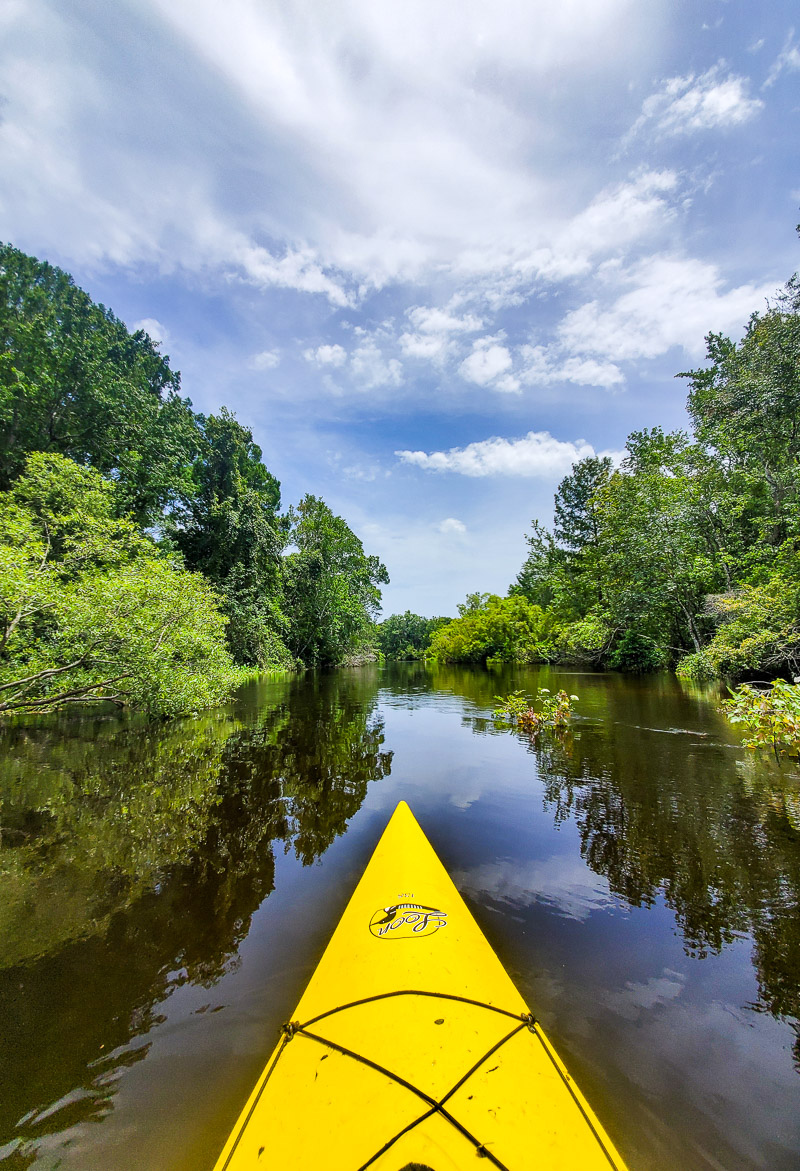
[[154, 329], [535, 454], [451, 525], [685, 105], [489, 364], [543, 367], [670, 301], [371, 369], [434, 331], [266, 360], [437, 321], [326, 355]]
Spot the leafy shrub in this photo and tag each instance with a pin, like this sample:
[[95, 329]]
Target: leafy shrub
[[517, 710], [490, 628], [769, 718], [761, 630], [587, 639], [91, 611], [637, 653], [697, 667]]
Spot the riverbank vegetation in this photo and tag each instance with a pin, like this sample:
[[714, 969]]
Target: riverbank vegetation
[[144, 555], [686, 554]]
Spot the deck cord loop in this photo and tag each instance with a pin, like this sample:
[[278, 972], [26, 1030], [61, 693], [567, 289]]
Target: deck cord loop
[[290, 1028]]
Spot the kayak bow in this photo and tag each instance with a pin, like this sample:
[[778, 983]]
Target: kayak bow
[[411, 1047]]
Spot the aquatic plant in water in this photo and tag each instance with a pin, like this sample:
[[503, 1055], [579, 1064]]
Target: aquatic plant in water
[[517, 710]]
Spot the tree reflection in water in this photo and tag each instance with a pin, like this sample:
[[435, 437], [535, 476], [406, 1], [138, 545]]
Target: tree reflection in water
[[132, 859], [722, 847]]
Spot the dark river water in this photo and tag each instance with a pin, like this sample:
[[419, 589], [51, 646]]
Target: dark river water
[[166, 891]]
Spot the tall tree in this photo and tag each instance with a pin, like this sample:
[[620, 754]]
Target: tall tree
[[73, 380], [746, 410], [332, 586], [230, 530]]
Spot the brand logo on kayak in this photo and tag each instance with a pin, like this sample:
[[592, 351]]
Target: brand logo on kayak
[[406, 921]]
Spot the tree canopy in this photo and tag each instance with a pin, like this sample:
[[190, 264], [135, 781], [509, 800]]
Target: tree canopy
[[122, 511]]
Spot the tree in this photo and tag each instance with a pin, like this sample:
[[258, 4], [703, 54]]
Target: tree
[[229, 529], [331, 586], [91, 611], [654, 557], [562, 568], [74, 381], [407, 636], [510, 630], [746, 410]]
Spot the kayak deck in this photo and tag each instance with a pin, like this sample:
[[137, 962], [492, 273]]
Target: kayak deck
[[411, 1045]]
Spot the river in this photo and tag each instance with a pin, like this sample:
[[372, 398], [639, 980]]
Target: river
[[167, 889]]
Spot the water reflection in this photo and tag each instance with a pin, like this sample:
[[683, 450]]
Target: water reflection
[[132, 859], [665, 812], [136, 863]]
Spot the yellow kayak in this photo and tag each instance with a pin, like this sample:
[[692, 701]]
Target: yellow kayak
[[411, 1049]]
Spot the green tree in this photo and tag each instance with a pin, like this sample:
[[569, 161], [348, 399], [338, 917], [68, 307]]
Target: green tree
[[74, 381], [654, 557], [407, 636], [331, 586], [91, 611], [562, 569], [510, 630], [745, 407], [229, 529]]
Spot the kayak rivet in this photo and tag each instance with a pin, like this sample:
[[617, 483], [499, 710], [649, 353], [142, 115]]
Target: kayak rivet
[[440, 1021]]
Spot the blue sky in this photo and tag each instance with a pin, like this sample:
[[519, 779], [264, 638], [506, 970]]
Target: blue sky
[[431, 252]]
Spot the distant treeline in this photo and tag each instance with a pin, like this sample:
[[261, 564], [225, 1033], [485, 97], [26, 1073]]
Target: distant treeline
[[687, 555], [144, 556]]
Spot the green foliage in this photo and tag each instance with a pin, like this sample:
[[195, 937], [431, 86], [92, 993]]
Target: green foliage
[[229, 529], [587, 640], [760, 628], [496, 629], [745, 406], [696, 667], [636, 653], [74, 381], [90, 611], [769, 718], [517, 710], [331, 586], [688, 551], [407, 636]]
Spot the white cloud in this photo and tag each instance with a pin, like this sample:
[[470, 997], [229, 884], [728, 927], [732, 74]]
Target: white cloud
[[326, 355], [563, 882], [617, 217], [438, 321], [451, 525], [685, 105], [788, 58], [430, 346], [536, 454], [435, 327], [266, 360], [543, 367], [671, 301], [371, 369], [489, 365], [375, 144], [155, 330]]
